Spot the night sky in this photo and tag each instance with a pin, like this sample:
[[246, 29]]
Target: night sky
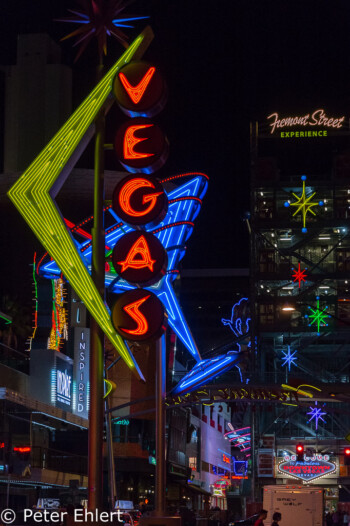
[[226, 62]]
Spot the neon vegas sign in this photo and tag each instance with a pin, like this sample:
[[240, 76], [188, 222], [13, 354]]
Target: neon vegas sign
[[307, 470], [318, 119]]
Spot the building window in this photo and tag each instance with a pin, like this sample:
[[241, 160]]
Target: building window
[[193, 463], [205, 467], [267, 262]]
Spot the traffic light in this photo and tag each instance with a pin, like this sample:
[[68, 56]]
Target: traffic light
[[300, 452], [347, 456]]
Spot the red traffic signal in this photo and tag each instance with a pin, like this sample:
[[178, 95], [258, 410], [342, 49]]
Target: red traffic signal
[[300, 452], [347, 456]]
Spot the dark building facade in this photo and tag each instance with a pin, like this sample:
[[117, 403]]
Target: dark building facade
[[300, 243]]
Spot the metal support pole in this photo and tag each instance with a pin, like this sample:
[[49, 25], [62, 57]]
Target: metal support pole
[[111, 466], [160, 427], [253, 297], [253, 452], [8, 492], [96, 414]]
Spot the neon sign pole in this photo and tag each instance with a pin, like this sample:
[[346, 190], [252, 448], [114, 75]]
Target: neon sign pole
[[33, 195]]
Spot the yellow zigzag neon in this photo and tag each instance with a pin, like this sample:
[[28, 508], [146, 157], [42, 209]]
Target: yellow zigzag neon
[[30, 194]]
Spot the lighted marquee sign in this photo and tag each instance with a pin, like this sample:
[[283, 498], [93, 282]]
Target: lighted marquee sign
[[138, 315], [141, 146], [247, 393], [62, 384], [318, 119], [140, 89], [226, 459], [307, 470], [63, 390], [140, 258], [121, 421], [140, 200], [59, 328]]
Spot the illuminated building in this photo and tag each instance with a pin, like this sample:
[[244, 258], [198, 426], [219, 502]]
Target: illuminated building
[[300, 295]]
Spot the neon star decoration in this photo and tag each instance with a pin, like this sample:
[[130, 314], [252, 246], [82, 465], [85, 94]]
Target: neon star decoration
[[184, 204], [304, 205], [316, 414], [318, 316], [289, 358], [99, 19], [299, 275], [33, 195]]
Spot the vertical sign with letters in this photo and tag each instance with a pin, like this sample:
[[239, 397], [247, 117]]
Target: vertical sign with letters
[[81, 371]]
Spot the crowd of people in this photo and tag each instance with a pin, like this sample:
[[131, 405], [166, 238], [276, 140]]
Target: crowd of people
[[276, 517], [337, 518]]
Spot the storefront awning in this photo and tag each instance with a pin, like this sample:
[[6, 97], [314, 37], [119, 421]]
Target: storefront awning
[[197, 489]]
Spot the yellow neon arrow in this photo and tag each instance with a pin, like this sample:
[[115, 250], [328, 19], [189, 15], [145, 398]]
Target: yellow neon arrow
[[31, 196]]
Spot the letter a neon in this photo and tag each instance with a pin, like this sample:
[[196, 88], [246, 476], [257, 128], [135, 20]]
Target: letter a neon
[[130, 142], [140, 247], [136, 92], [133, 310]]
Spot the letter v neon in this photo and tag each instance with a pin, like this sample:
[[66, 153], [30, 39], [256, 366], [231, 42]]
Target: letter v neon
[[136, 92]]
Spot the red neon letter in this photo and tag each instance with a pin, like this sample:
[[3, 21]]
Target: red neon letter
[[128, 189], [133, 310], [141, 248], [130, 142], [136, 92]]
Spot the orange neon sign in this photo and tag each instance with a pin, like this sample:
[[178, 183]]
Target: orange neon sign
[[22, 449], [130, 142], [141, 248], [133, 310], [226, 459], [127, 191], [318, 118], [136, 92]]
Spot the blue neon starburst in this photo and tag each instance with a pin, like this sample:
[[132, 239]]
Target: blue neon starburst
[[289, 358], [317, 414], [99, 19]]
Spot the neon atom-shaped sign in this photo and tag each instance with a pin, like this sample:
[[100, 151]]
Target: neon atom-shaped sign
[[316, 414], [289, 358], [299, 275], [304, 205], [318, 316]]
